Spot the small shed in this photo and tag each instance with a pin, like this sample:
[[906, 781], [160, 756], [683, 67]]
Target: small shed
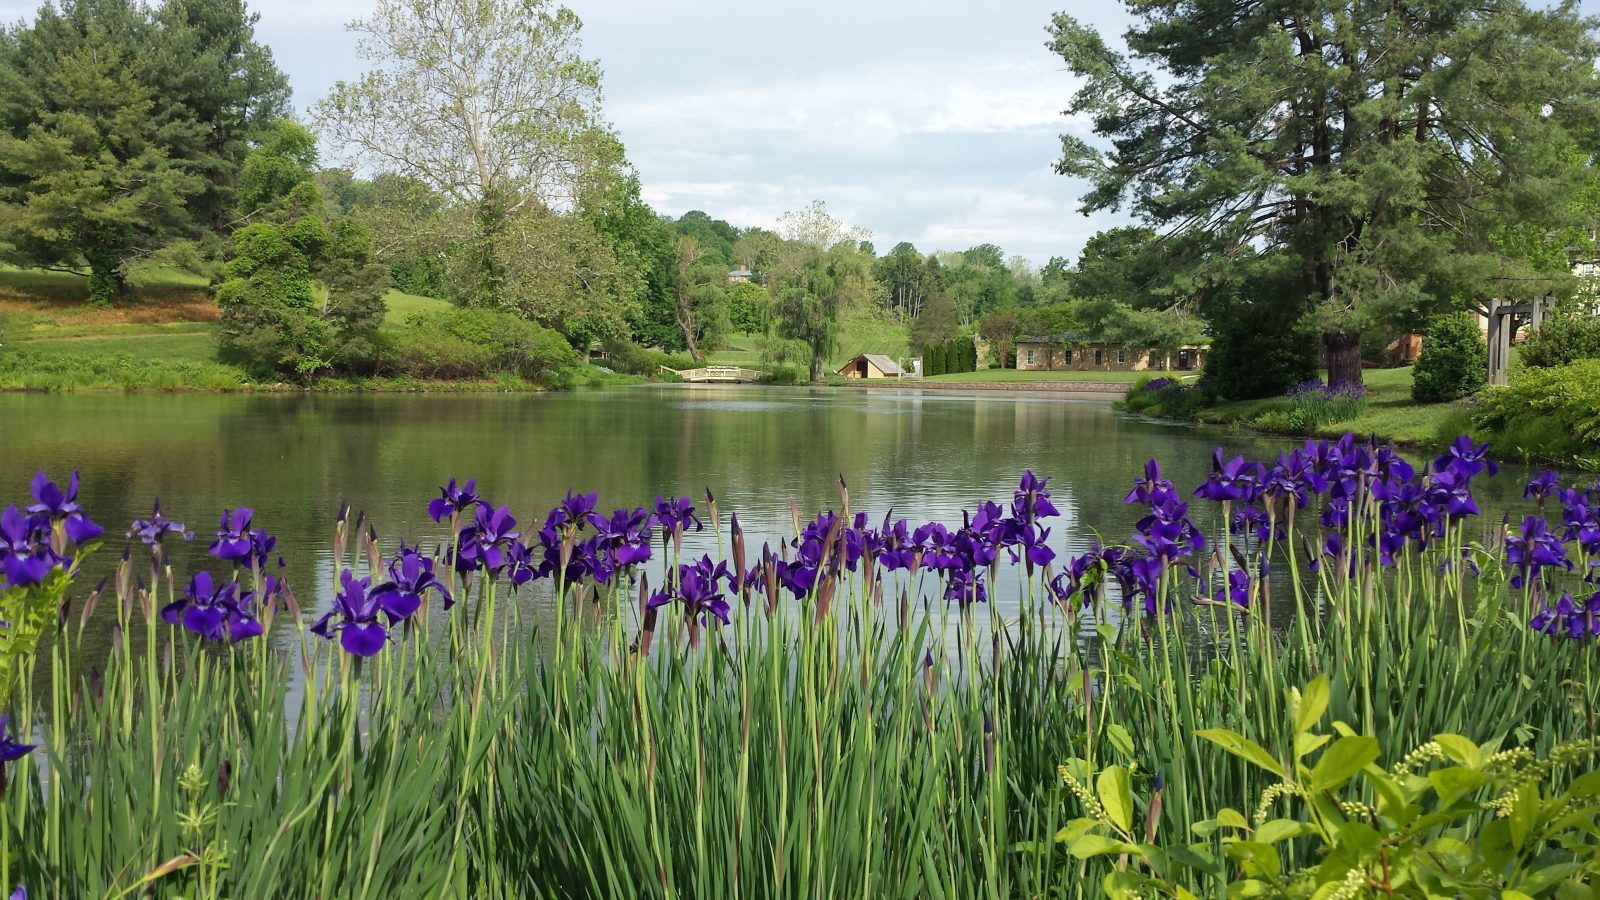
[[872, 365]]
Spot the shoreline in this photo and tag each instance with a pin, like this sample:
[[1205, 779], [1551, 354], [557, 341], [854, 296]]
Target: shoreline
[[1097, 388]]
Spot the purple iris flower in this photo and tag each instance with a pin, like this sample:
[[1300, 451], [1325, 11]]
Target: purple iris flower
[[1151, 487], [154, 530], [697, 588], [411, 576], [1569, 618], [483, 544], [1237, 591], [1467, 457], [213, 611], [1031, 544], [1031, 502], [1533, 548], [676, 515], [239, 544], [797, 577], [966, 586], [25, 554], [1235, 479], [53, 504], [1451, 490], [453, 500], [622, 540], [10, 749], [1295, 475], [359, 629], [1542, 485]]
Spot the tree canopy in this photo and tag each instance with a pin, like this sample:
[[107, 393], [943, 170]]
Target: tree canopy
[[1382, 145]]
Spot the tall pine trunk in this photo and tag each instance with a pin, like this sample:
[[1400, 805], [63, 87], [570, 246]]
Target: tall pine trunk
[[1342, 350]]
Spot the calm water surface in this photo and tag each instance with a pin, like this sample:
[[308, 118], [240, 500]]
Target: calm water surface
[[924, 456]]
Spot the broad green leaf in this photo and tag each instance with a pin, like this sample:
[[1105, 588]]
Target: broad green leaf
[[1116, 795], [1091, 845], [1249, 887], [1359, 838], [1450, 784], [1524, 813], [1244, 748], [1277, 830], [1231, 818], [1120, 739], [1585, 785], [1342, 760], [1306, 744], [1312, 704], [1514, 895], [1460, 749], [1075, 829]]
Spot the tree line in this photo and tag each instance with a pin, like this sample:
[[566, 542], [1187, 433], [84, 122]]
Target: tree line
[[1323, 170]]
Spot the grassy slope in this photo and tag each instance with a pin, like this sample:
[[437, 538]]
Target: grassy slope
[[1391, 413], [165, 336], [858, 333]]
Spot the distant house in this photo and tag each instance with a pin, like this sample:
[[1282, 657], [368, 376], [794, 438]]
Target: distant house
[[741, 275], [1079, 352], [872, 365]]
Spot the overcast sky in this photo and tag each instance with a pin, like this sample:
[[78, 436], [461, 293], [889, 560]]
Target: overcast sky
[[934, 121]]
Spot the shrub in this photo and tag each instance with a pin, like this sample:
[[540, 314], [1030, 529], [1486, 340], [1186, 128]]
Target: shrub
[[784, 375], [1454, 361], [1550, 415], [933, 360], [625, 356], [469, 343], [1563, 338], [1164, 397]]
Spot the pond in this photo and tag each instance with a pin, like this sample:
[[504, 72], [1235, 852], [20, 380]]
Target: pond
[[922, 455]]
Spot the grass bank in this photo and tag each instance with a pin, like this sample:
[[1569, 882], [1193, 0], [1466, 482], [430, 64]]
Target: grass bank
[[166, 337], [1026, 376], [1390, 414]]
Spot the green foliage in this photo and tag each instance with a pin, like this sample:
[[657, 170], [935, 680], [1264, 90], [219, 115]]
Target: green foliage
[[1330, 131], [1546, 415], [122, 131], [1451, 818], [1262, 343], [933, 360], [1454, 361], [475, 342], [1563, 338], [625, 356], [937, 322], [747, 307], [1164, 397]]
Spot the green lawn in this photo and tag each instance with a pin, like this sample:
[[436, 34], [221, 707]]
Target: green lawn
[[152, 343], [74, 286], [1391, 413], [736, 350], [1025, 376], [402, 305]]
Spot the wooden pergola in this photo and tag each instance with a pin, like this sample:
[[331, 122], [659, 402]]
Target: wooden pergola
[[1505, 319]]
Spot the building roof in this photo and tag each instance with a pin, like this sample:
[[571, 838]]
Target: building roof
[[884, 364]]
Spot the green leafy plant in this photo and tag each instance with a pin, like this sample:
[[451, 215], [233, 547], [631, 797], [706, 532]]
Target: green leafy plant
[[1454, 360], [1453, 818]]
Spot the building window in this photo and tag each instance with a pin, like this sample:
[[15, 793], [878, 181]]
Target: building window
[[1099, 357], [1069, 356], [1030, 356], [1122, 357]]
